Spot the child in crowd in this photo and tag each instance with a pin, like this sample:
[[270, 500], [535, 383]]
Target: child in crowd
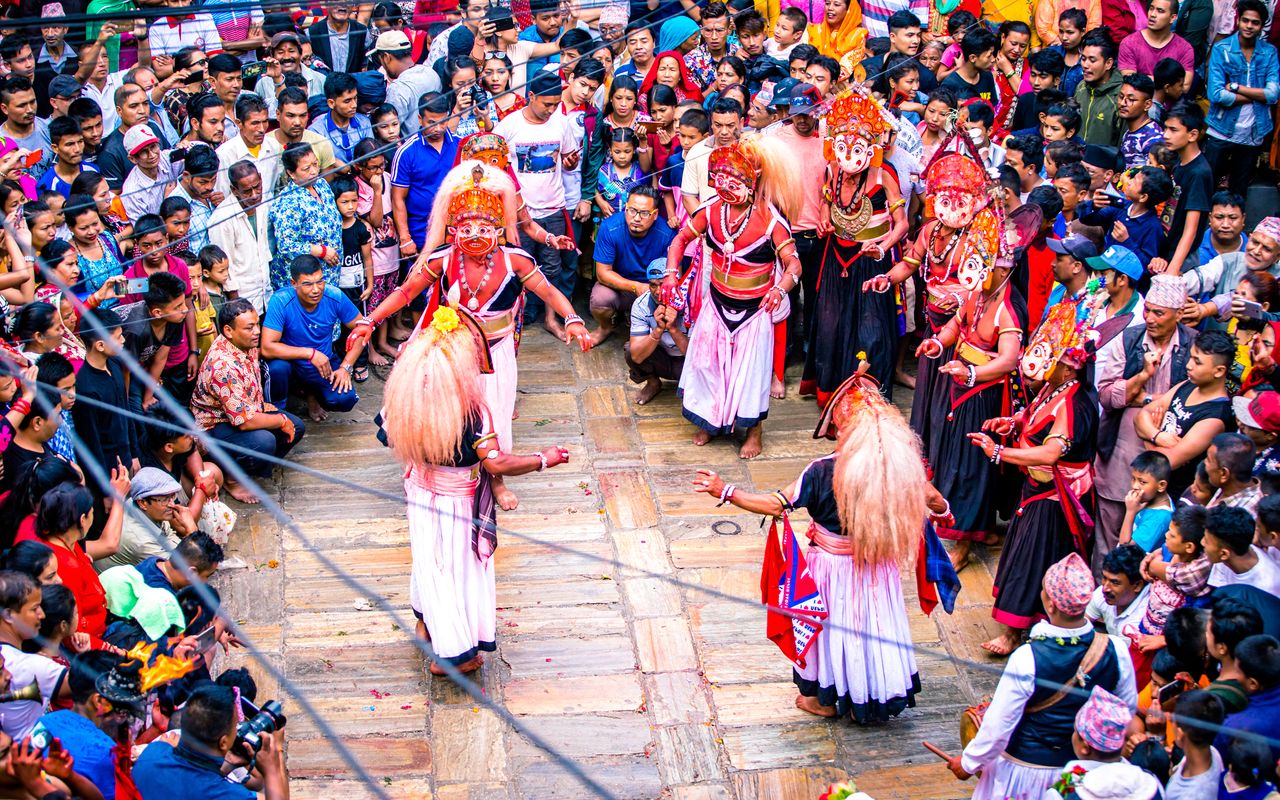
[[1230, 623], [695, 126], [176, 213], [900, 88], [20, 598], [1148, 510], [1197, 716], [1200, 492], [958, 24], [663, 139], [1228, 544], [1059, 154], [1267, 535], [619, 173], [374, 207], [102, 379], [982, 120], [1182, 566], [151, 329], [355, 275], [1170, 80], [209, 298], [1248, 760], [787, 33], [1072, 182], [1134, 223], [386, 124], [55, 370]]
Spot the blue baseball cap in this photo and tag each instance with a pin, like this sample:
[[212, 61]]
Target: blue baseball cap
[[657, 269], [1121, 259]]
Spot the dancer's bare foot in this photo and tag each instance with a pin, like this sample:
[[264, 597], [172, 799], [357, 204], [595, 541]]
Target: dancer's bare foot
[[505, 498], [650, 390], [778, 389], [700, 437], [316, 411], [754, 444], [1004, 644], [421, 631], [553, 325], [991, 539], [601, 333], [376, 358], [812, 706], [241, 492], [472, 665], [901, 378], [960, 555], [389, 351], [436, 669]]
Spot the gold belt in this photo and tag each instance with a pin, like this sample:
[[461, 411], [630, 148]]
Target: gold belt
[[758, 280], [496, 327], [1040, 475], [872, 231], [972, 355]]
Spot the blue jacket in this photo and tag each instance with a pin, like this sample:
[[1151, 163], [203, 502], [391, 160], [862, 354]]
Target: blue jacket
[[1227, 65]]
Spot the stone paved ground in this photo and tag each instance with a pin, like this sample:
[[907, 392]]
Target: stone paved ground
[[620, 639]]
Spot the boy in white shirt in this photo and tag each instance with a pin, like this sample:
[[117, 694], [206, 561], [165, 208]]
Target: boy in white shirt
[[788, 31], [1228, 544]]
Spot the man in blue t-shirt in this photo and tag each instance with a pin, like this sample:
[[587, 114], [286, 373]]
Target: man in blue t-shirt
[[297, 341], [628, 240]]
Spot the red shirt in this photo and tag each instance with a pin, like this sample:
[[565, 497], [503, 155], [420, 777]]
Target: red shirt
[[75, 568], [1040, 281]]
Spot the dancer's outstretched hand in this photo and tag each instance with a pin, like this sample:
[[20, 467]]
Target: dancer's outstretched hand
[[879, 284], [577, 330], [708, 482]]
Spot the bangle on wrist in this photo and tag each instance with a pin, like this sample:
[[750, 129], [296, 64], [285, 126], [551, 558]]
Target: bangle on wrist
[[572, 319], [22, 405], [542, 459]]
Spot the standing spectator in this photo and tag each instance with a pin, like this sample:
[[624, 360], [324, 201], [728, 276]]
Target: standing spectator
[[228, 400], [196, 186], [547, 27], [1141, 132], [1049, 14], [239, 27], [172, 33], [408, 81], [339, 41], [101, 381], [251, 143], [876, 15], [286, 49], [1226, 227], [543, 146], [343, 126], [1195, 21], [1244, 84], [972, 77], [30, 132], [1141, 50], [1187, 211], [68, 152], [226, 80], [239, 227], [132, 109], [304, 217], [417, 169], [297, 341], [1099, 90], [292, 113], [154, 174]]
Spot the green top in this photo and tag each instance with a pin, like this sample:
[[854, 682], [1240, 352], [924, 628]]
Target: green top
[[91, 31]]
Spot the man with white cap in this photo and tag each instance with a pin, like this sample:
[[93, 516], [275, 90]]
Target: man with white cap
[[1134, 369], [1022, 746], [1260, 253], [155, 493], [407, 81], [153, 176]]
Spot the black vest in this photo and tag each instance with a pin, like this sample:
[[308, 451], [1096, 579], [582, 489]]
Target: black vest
[[1132, 340], [1043, 738]]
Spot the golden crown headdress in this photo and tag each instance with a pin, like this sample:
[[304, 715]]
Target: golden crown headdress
[[473, 200], [857, 113], [955, 172], [479, 145]]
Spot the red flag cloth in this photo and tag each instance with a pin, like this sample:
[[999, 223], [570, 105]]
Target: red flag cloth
[[785, 584], [925, 590]]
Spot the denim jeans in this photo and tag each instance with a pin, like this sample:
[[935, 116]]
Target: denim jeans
[[552, 262], [303, 374]]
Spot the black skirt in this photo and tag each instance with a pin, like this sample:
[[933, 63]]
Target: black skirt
[[1038, 538], [928, 407], [961, 471]]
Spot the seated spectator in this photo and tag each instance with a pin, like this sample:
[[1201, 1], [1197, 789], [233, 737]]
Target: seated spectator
[[297, 341], [170, 448], [155, 494], [208, 730], [626, 244], [1229, 466], [100, 707], [1259, 661], [33, 558], [1228, 543], [1147, 505], [1120, 601], [228, 401], [20, 622], [659, 338]]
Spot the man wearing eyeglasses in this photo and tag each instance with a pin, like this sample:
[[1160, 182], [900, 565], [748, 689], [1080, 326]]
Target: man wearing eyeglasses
[[627, 242]]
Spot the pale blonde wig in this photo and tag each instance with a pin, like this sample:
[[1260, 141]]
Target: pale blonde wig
[[879, 483], [495, 180], [432, 393]]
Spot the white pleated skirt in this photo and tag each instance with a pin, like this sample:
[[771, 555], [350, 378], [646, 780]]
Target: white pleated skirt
[[1006, 780], [451, 590], [867, 667], [727, 374], [500, 389]]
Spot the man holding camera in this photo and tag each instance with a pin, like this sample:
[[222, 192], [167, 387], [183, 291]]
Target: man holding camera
[[209, 734]]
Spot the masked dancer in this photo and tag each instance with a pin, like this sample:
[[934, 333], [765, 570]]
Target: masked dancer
[[742, 296], [485, 277], [866, 220], [867, 502], [451, 450], [1054, 443]]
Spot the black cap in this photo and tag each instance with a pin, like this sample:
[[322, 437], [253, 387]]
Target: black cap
[[545, 84], [1078, 247], [1102, 156]]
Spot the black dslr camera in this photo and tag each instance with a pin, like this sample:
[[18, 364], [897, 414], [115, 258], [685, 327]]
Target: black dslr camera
[[267, 719]]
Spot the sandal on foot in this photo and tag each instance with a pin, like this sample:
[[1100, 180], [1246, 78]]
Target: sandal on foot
[[360, 374]]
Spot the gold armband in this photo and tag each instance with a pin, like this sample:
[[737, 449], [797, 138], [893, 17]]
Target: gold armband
[[487, 437], [785, 242], [895, 205], [535, 272], [915, 262]]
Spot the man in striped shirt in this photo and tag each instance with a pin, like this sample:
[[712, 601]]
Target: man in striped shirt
[[876, 13]]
